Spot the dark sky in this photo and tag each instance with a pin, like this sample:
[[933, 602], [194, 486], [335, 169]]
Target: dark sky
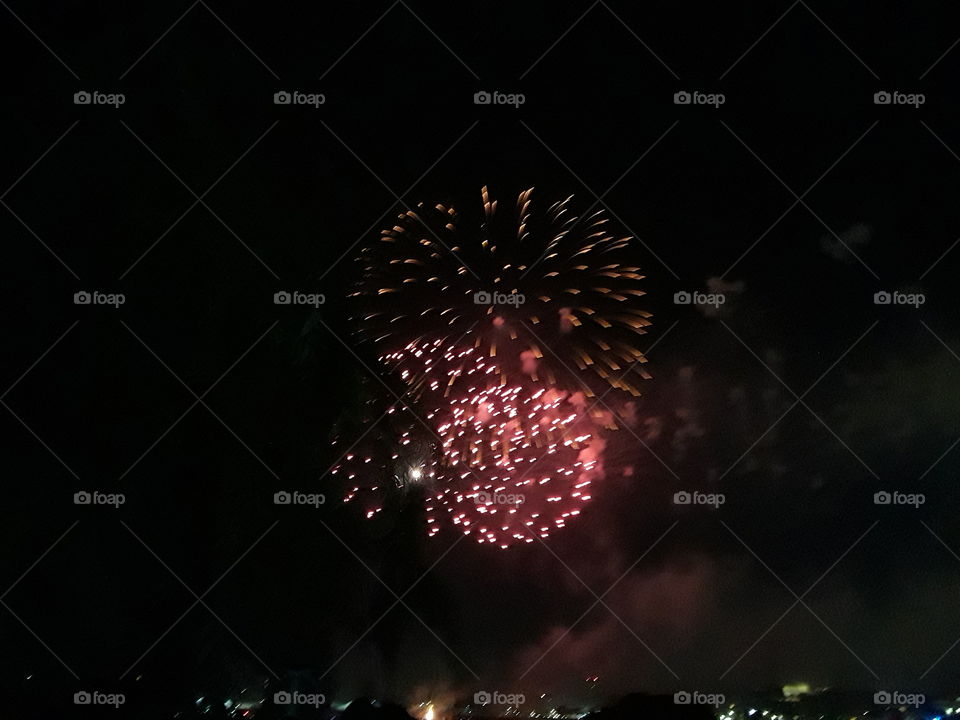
[[199, 398]]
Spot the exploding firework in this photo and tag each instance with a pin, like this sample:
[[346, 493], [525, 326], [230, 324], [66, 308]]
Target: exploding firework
[[547, 293], [506, 463], [503, 444]]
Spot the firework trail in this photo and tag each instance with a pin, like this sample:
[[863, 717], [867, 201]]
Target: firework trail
[[503, 446]]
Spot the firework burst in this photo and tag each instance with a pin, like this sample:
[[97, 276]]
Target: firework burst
[[498, 325], [544, 291]]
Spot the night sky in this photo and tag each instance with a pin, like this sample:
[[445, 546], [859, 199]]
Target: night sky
[[798, 198]]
